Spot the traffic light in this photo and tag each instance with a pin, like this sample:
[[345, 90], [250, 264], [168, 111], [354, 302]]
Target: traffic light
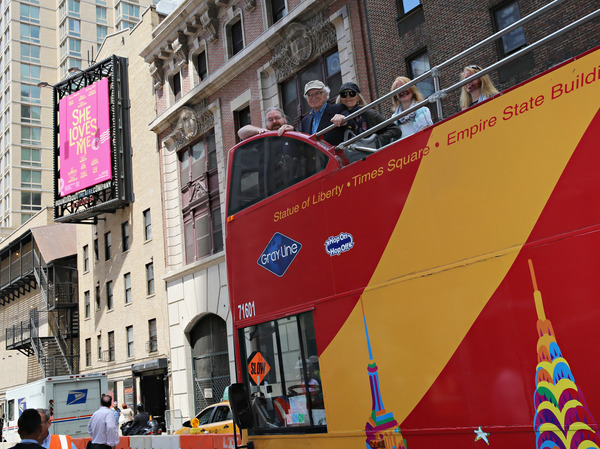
[[51, 407]]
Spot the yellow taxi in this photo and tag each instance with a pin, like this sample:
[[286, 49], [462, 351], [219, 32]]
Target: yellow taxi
[[215, 418]]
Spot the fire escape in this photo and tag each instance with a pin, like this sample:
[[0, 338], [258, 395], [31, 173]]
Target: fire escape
[[47, 327]]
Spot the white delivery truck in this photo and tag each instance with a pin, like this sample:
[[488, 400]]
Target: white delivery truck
[[71, 399]]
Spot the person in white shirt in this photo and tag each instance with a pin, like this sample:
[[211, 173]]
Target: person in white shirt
[[416, 120], [103, 426]]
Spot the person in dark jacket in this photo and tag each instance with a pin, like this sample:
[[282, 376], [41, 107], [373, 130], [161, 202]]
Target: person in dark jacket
[[30, 430], [351, 97], [316, 94], [139, 421]]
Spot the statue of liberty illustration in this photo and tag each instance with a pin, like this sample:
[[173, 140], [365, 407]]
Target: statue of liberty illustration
[[562, 419], [381, 427]]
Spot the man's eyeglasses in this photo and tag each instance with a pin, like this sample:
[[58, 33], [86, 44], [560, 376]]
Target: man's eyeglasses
[[314, 94], [348, 93], [274, 119]]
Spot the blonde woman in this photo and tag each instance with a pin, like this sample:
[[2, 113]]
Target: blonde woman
[[477, 90], [416, 120]]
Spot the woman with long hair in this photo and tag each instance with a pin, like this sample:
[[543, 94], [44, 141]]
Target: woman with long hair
[[416, 120], [476, 91]]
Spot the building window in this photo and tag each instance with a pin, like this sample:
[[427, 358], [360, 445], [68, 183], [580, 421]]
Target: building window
[[125, 235], [129, 12], [201, 202], [150, 278], [31, 94], [417, 65], [88, 352], [96, 257], [74, 27], [109, 295], [241, 118], [31, 156], [107, 245], [147, 225], [201, 65], [75, 48], [30, 73], [129, 332], [152, 336], [99, 347], [276, 10], [326, 69], [97, 297], [30, 53], [406, 6], [101, 32], [111, 346], [235, 36], [74, 7], [31, 178], [30, 14], [31, 136], [86, 259], [505, 15], [25, 218], [30, 200], [31, 114], [176, 85], [30, 33], [127, 286], [100, 14], [87, 305]]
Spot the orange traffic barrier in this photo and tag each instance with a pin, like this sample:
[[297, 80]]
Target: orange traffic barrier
[[205, 441]]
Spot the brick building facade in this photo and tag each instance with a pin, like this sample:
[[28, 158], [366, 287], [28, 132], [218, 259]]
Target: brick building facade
[[424, 34]]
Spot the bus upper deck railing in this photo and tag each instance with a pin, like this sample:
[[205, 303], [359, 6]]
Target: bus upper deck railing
[[434, 72]]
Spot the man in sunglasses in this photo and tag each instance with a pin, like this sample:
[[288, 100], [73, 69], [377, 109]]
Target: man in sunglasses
[[316, 94], [276, 121]]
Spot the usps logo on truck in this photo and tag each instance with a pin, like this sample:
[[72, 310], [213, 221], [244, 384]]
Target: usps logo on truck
[[22, 405], [77, 396]]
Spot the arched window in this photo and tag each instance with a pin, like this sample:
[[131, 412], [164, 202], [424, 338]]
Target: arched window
[[208, 340]]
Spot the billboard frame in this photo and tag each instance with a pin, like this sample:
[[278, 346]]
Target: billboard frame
[[86, 205]]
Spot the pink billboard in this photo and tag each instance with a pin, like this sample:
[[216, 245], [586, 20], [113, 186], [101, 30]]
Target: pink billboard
[[84, 127]]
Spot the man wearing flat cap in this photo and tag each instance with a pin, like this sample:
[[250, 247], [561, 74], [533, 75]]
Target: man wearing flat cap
[[316, 94]]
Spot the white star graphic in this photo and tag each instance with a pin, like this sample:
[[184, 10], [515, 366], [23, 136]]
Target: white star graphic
[[481, 435]]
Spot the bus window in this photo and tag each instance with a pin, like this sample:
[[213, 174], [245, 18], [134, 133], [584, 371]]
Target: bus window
[[263, 167], [283, 376]]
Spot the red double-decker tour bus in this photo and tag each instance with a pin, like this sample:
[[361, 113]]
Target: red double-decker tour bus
[[440, 292]]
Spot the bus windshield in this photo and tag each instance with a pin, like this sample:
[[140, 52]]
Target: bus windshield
[[283, 373], [263, 167]]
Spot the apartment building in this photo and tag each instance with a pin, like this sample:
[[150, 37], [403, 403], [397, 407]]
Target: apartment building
[[122, 298], [40, 41]]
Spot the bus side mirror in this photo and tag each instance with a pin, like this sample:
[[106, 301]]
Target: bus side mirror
[[240, 406]]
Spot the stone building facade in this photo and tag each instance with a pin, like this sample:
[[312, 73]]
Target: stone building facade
[[216, 66]]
